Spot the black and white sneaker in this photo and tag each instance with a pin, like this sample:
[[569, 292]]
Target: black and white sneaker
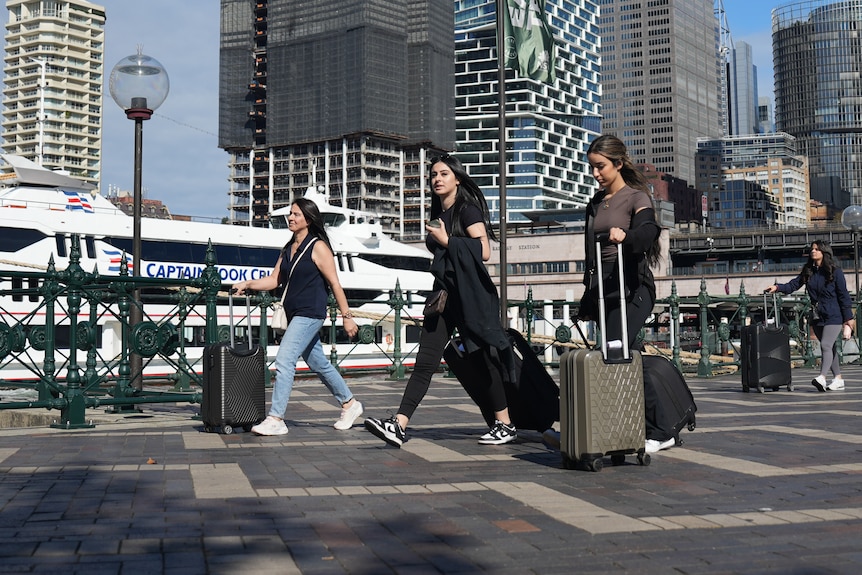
[[499, 434], [388, 430]]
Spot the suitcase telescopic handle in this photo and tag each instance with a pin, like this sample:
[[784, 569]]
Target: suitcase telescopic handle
[[774, 309], [247, 316], [602, 308]]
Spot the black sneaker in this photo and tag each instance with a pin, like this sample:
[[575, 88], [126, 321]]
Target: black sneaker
[[386, 429], [499, 434]]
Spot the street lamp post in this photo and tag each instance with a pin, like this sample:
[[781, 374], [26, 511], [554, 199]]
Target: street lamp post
[[851, 218], [138, 84]]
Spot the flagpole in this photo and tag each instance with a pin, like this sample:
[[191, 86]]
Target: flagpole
[[501, 148]]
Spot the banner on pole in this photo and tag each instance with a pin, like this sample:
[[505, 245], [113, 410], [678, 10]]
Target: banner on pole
[[529, 42]]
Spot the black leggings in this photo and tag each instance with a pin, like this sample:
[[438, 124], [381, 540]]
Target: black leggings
[[638, 309], [432, 341]]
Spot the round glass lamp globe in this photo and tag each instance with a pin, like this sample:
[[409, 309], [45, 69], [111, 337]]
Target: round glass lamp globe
[[139, 81], [851, 218]]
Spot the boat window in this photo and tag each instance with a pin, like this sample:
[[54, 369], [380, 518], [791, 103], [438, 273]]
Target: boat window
[[14, 239], [90, 246], [350, 262], [33, 283], [340, 259], [61, 245], [278, 222], [333, 220]]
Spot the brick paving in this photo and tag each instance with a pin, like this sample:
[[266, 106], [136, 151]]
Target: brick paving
[[767, 483]]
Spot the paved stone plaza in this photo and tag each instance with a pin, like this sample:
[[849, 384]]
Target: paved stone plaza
[[767, 483]]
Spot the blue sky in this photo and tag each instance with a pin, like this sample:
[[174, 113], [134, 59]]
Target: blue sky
[[182, 163]]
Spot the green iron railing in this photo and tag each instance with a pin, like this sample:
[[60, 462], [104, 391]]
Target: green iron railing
[[54, 324]]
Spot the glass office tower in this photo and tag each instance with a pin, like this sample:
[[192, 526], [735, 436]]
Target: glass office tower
[[661, 74], [549, 127], [818, 92]]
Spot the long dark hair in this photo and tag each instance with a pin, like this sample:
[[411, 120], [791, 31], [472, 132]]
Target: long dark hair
[[828, 264], [468, 193], [614, 149], [315, 221]]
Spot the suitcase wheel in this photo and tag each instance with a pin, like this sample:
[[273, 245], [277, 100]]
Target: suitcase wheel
[[790, 386], [208, 428], [644, 458], [583, 464], [227, 429]]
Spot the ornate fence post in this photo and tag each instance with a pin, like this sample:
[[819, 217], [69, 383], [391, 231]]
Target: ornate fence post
[[332, 308], [396, 302], [210, 282], [529, 307], [122, 387], [673, 301], [73, 411], [45, 338], [704, 366]]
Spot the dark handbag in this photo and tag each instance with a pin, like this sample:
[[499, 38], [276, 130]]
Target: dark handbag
[[436, 303], [815, 313]]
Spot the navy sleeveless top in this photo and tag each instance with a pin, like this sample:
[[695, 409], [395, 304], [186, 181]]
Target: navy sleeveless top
[[307, 295]]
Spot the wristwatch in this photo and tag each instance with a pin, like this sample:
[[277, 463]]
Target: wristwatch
[[347, 315]]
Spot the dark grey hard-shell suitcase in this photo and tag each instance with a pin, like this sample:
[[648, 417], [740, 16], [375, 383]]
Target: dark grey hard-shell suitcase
[[234, 382], [602, 397], [765, 353]]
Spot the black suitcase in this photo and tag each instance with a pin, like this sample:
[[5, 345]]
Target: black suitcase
[[602, 397], [765, 353], [668, 403], [234, 382], [533, 399]]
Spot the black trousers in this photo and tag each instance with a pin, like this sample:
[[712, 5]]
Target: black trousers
[[433, 339], [638, 309]]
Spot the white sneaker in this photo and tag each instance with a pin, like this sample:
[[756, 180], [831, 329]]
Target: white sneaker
[[270, 426], [654, 445], [836, 384], [348, 416], [819, 382]]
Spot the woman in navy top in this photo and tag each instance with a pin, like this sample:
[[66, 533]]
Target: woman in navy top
[[306, 265], [831, 308]]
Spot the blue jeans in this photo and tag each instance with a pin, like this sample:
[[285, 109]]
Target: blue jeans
[[302, 338]]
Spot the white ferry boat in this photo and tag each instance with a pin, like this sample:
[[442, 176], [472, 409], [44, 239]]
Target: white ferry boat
[[41, 210]]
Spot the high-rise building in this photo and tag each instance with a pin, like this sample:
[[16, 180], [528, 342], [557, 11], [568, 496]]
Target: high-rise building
[[743, 91], [818, 93], [351, 95], [771, 163], [52, 85], [764, 115], [660, 77], [549, 127]]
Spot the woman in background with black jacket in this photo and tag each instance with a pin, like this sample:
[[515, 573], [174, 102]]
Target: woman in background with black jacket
[[621, 212], [831, 306]]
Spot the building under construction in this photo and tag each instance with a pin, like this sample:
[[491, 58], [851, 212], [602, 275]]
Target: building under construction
[[348, 94]]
